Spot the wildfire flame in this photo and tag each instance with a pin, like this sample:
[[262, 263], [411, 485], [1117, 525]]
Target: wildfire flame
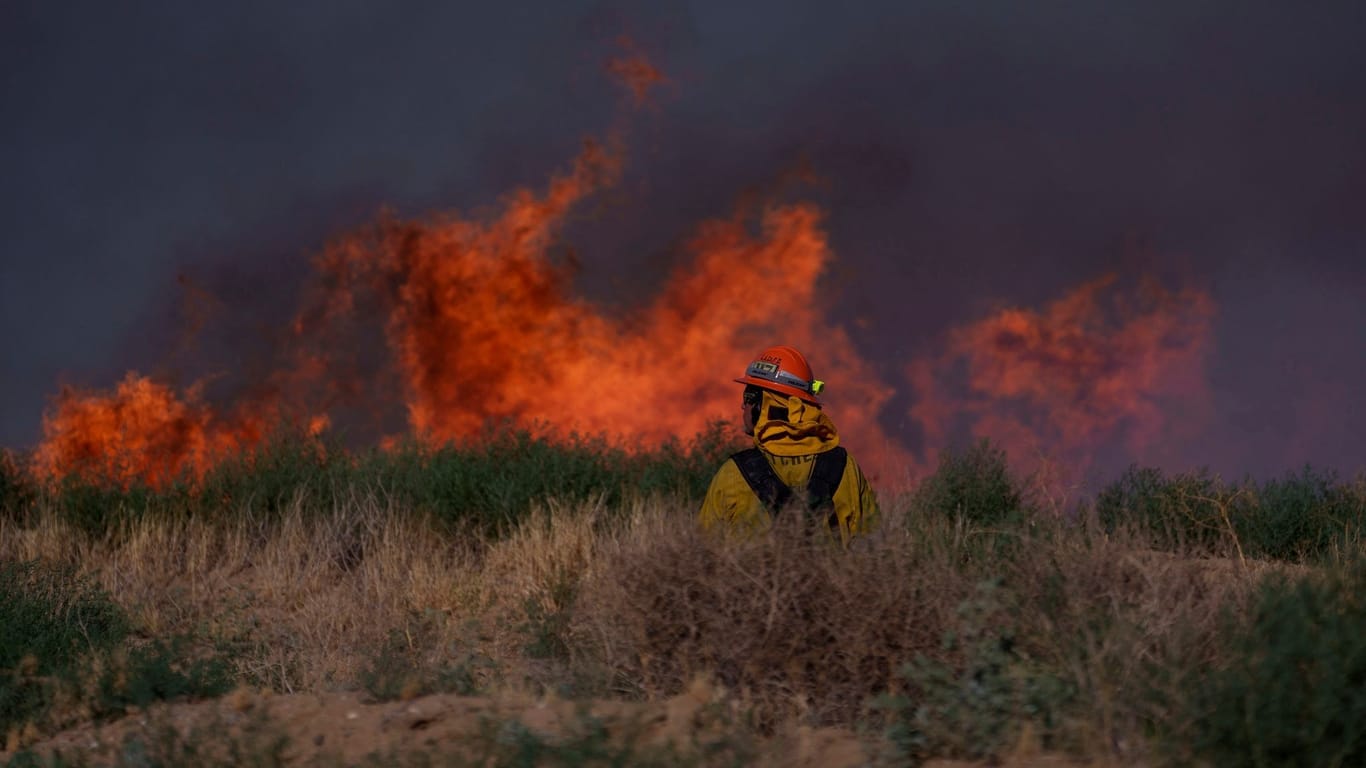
[[141, 432], [1094, 365], [480, 327], [484, 328]]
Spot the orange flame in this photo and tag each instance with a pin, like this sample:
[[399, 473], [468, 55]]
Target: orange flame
[[484, 329], [141, 432], [479, 327], [1095, 365]]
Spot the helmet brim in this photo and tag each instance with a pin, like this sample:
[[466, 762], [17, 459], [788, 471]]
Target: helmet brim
[[774, 386]]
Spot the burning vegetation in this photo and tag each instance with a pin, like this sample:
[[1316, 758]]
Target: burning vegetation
[[1097, 364], [481, 327]]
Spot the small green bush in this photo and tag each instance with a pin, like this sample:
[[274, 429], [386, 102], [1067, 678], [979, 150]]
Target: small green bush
[[487, 485], [1300, 517], [163, 670], [50, 619], [494, 483], [972, 699], [546, 627], [1294, 689], [269, 477], [62, 638], [404, 668], [679, 469], [1188, 511], [98, 510], [976, 484]]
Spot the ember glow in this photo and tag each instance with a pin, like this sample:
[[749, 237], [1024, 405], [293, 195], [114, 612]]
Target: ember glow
[[480, 327]]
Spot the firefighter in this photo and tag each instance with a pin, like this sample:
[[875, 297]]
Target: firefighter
[[796, 465]]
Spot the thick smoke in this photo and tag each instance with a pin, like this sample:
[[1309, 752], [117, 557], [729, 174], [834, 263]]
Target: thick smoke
[[972, 169]]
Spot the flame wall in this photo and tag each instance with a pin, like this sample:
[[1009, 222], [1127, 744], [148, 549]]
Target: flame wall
[[482, 327]]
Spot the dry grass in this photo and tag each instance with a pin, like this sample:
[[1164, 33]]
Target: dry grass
[[793, 622], [306, 598], [1124, 619], [801, 629], [641, 603]]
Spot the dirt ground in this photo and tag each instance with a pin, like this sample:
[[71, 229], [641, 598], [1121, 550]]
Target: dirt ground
[[344, 729]]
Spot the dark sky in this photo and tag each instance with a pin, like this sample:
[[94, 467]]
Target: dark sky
[[972, 154]]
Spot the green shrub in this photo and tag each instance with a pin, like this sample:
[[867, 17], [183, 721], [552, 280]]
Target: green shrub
[[494, 485], [1300, 517], [546, 627], [976, 484], [1293, 691], [159, 671], [971, 700], [676, 469], [487, 485], [495, 482], [269, 477], [1192, 510], [98, 510], [61, 637], [404, 666], [511, 742], [50, 619]]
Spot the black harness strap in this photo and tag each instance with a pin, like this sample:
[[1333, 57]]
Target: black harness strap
[[765, 483], [825, 480], [775, 494]]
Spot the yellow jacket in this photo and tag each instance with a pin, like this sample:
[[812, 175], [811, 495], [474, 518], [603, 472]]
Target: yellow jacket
[[791, 446]]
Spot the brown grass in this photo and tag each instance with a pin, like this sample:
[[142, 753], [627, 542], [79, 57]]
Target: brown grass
[[802, 629], [791, 621], [306, 598], [640, 603]]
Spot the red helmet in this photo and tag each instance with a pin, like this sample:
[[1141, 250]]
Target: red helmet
[[783, 369]]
